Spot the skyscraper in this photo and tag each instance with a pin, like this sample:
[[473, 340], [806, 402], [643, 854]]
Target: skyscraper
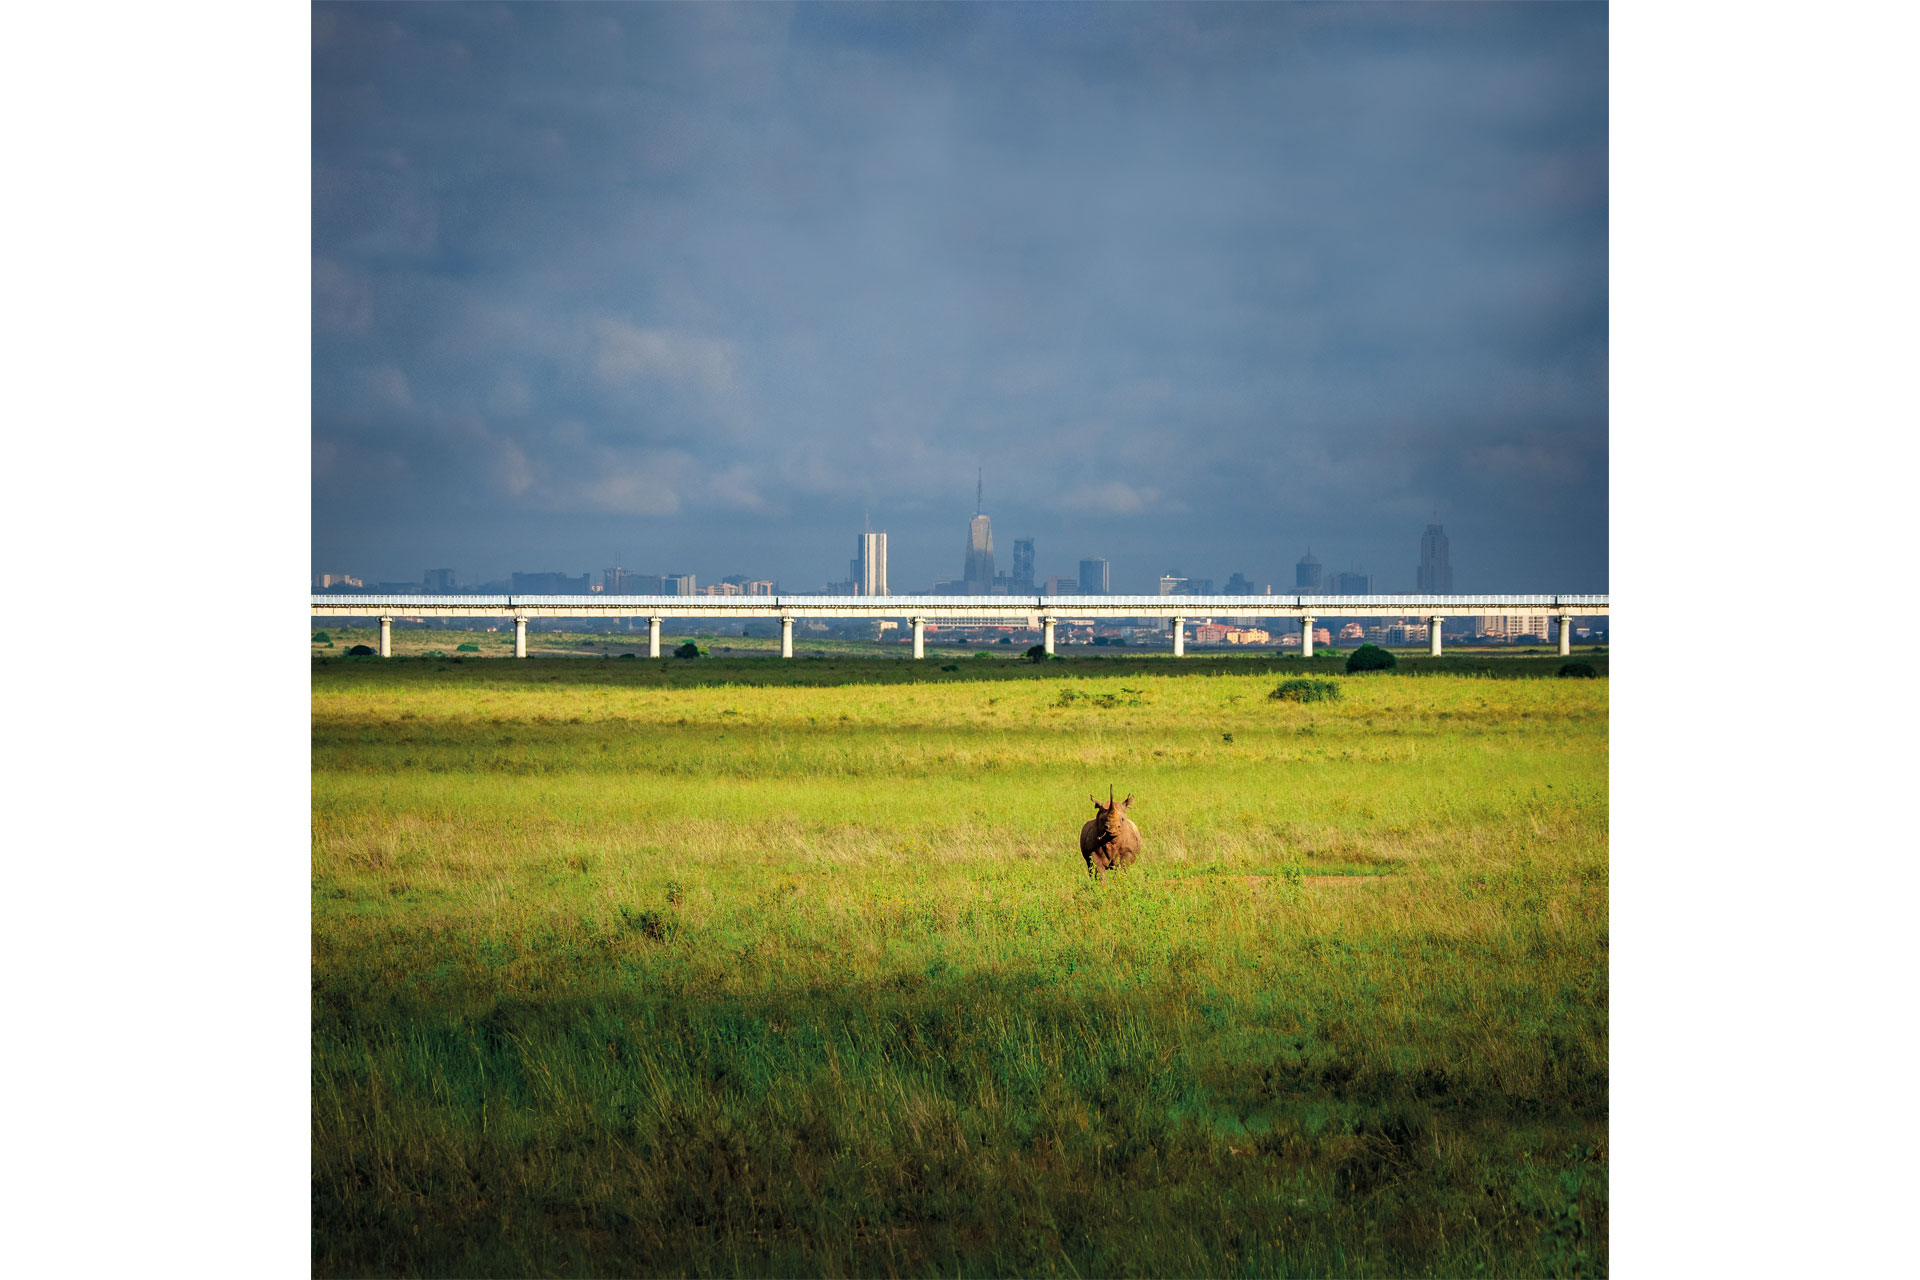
[[979, 570], [870, 565], [1022, 583], [1093, 577], [1306, 574], [1435, 575]]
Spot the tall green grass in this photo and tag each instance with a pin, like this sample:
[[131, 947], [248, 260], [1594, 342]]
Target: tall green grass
[[769, 970]]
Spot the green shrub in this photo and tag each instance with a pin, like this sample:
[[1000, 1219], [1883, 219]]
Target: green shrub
[[1037, 654], [982, 653], [629, 655], [466, 648], [1298, 690], [1370, 657], [949, 666], [360, 651], [650, 924], [1577, 670], [321, 637], [687, 650]]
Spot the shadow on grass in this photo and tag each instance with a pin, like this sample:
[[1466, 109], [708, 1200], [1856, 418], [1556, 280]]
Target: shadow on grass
[[812, 672], [1004, 1123]]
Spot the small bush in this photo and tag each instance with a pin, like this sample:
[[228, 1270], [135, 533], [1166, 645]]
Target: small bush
[[360, 651], [630, 655], [466, 648], [1037, 654], [982, 653], [1370, 657], [1577, 670], [950, 666], [321, 637], [687, 650], [1306, 691], [649, 924]]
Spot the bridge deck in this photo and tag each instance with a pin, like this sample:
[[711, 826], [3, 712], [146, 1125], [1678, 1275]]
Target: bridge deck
[[1031, 609]]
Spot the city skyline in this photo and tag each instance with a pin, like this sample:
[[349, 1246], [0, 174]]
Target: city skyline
[[1196, 285], [867, 575]]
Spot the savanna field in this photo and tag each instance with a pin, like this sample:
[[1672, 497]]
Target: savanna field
[[740, 966]]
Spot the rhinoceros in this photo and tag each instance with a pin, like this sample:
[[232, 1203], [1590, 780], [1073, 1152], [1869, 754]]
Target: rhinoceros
[[1110, 842]]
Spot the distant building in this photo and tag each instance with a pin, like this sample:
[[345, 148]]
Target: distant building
[[1320, 636], [329, 581], [1059, 586], [1199, 587], [1237, 585], [1435, 575], [1353, 631], [625, 582], [720, 589], [1306, 575], [1093, 578], [758, 587], [1405, 632], [551, 584], [1248, 635], [1350, 584], [440, 582], [1172, 584], [1211, 633], [978, 574], [1511, 626], [870, 565], [1022, 581], [677, 584]]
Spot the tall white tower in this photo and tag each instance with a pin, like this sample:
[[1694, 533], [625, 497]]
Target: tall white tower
[[871, 561]]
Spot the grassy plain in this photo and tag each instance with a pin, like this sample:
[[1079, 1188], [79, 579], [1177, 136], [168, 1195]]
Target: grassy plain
[[744, 966]]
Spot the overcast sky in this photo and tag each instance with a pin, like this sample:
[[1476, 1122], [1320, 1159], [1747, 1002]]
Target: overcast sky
[[697, 288]]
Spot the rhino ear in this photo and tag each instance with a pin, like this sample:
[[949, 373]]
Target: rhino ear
[[1126, 802]]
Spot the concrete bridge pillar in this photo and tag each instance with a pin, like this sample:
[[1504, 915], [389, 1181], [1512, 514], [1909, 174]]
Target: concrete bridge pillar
[[1566, 635], [1306, 637], [1046, 635], [519, 637], [919, 637], [386, 637], [1179, 637], [786, 637], [1433, 636], [653, 637]]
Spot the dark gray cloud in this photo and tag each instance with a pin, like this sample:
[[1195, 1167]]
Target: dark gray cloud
[[697, 286]]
